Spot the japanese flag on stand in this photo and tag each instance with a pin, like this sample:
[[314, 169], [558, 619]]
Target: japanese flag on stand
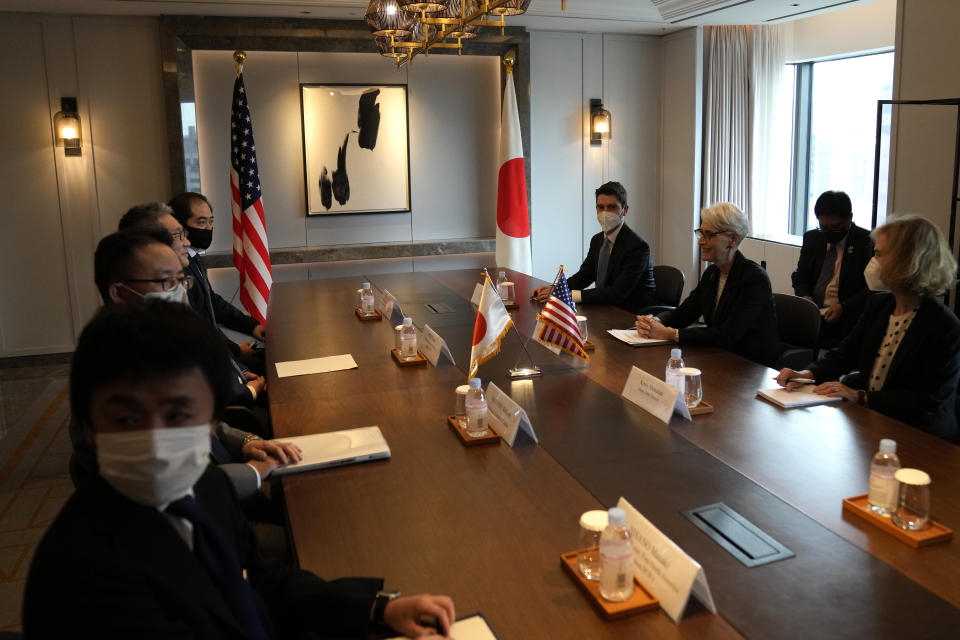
[[513, 218], [492, 324]]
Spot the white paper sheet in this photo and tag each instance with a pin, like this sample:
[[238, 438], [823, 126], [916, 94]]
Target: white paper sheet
[[474, 627], [632, 338], [800, 397], [315, 365]]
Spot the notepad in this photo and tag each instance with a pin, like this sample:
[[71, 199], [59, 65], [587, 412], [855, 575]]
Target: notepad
[[473, 627], [799, 397], [315, 365], [632, 338], [336, 448]]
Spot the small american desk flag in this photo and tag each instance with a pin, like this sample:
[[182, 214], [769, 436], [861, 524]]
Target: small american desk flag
[[557, 322], [251, 255]]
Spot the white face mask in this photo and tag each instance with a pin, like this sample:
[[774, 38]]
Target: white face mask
[[177, 294], [872, 275], [609, 220], [154, 466]]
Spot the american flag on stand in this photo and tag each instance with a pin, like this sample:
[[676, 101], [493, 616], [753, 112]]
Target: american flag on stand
[[251, 255], [557, 322]]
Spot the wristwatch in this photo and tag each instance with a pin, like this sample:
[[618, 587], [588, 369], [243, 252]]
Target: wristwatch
[[380, 604]]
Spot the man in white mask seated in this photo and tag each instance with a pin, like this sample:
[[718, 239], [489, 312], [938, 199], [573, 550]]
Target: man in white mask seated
[[156, 545], [618, 260]]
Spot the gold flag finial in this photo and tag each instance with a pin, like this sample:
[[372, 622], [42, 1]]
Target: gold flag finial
[[239, 57], [508, 63]]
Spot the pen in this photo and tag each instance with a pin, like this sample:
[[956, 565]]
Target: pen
[[802, 380]]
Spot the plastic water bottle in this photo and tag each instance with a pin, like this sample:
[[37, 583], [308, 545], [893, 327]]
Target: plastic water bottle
[[616, 558], [476, 410], [366, 300], [884, 488], [408, 340], [674, 364], [501, 278]]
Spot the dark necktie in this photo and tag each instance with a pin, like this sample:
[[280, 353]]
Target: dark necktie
[[826, 274], [602, 261], [222, 565]]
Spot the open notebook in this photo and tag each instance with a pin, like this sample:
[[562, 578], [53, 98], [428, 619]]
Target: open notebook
[[800, 397], [473, 627], [336, 448], [632, 338]]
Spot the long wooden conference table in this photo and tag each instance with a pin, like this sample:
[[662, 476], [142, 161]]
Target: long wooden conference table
[[487, 524]]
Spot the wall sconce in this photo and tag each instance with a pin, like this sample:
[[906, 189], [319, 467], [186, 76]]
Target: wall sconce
[[66, 124], [599, 122]]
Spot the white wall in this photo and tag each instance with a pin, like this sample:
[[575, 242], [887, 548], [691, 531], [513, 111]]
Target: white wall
[[567, 70], [454, 117], [863, 27]]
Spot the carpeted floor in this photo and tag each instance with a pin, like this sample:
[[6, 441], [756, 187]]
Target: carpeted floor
[[34, 479]]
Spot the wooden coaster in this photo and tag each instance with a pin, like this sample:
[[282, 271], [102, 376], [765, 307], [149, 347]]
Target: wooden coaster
[[376, 317], [470, 441], [701, 409], [641, 600], [407, 363], [589, 346], [933, 533]]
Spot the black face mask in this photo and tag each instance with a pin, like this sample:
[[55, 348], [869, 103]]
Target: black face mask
[[833, 237], [200, 238]]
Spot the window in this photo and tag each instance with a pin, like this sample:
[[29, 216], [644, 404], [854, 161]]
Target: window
[[834, 134], [191, 152]]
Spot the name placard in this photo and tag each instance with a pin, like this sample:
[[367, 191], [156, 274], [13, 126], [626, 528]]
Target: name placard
[[654, 395], [665, 568], [391, 308], [507, 416], [477, 292], [433, 347]]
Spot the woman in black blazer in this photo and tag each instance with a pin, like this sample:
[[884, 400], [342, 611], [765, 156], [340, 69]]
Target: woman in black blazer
[[905, 350], [734, 295]]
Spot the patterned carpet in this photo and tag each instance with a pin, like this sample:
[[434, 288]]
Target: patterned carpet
[[34, 479]]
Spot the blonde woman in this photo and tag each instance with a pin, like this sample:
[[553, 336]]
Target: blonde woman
[[905, 349], [733, 296]]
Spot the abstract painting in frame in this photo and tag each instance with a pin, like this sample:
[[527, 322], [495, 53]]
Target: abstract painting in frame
[[356, 154]]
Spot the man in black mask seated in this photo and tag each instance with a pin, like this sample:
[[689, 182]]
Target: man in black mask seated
[[156, 546], [830, 269], [195, 213]]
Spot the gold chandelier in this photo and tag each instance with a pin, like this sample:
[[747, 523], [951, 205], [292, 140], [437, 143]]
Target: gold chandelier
[[403, 29]]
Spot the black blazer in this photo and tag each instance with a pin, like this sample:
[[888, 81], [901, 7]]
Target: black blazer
[[852, 288], [112, 568], [743, 321], [630, 283], [921, 384], [211, 306]]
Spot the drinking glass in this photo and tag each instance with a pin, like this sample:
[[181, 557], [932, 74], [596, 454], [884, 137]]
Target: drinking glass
[[397, 330], [461, 407], [692, 387], [913, 511], [506, 292], [582, 325], [592, 524]]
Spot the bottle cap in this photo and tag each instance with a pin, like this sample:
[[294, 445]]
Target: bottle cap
[[595, 520], [888, 446], [616, 516], [674, 353], [474, 383], [407, 322], [366, 285], [912, 476]]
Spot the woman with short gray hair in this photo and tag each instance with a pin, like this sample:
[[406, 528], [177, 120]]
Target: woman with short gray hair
[[733, 296]]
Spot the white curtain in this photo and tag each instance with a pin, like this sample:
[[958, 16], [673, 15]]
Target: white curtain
[[728, 117]]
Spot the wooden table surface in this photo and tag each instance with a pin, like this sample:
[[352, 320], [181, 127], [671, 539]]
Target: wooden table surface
[[487, 525]]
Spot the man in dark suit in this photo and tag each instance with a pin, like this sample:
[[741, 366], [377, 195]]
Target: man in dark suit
[[156, 545], [618, 260], [195, 213], [830, 269]]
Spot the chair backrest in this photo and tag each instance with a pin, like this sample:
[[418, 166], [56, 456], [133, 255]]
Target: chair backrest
[[798, 320], [669, 284]]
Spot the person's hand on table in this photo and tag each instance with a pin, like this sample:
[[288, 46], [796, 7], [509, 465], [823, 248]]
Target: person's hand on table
[[541, 294], [836, 390], [264, 467], [257, 384], [650, 327], [833, 312], [260, 333], [282, 452], [786, 378], [403, 614]]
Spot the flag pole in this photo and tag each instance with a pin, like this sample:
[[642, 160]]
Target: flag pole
[[534, 370]]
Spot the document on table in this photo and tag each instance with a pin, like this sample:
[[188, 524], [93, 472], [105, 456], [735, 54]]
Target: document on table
[[473, 627], [315, 365], [632, 338], [799, 397]]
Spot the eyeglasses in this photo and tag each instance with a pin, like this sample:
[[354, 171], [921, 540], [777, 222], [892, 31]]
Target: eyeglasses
[[709, 235], [167, 283], [178, 235]]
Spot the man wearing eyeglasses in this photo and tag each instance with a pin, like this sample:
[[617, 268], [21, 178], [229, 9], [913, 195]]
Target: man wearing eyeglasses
[[618, 260], [830, 268]]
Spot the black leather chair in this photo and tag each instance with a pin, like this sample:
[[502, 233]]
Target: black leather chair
[[669, 282], [798, 323]]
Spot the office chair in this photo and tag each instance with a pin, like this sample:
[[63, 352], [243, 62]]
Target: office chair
[[669, 281], [798, 325]]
